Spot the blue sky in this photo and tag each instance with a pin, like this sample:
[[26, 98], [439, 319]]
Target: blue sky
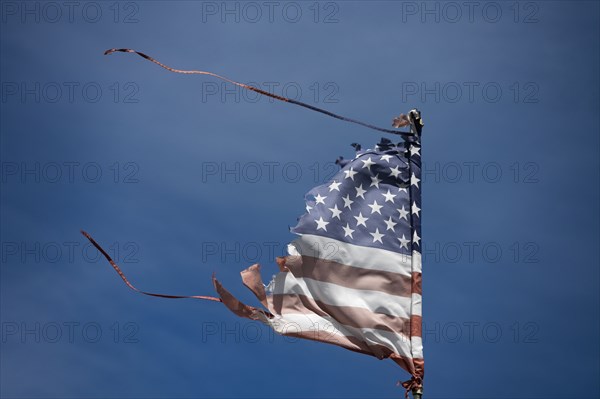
[[182, 177]]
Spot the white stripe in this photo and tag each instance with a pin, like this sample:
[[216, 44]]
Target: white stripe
[[352, 255], [417, 347], [416, 262], [328, 328], [416, 309], [417, 305], [336, 295]]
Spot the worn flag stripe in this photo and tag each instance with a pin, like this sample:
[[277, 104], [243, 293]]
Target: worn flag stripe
[[357, 345], [346, 315], [329, 327], [353, 255], [416, 263], [336, 295], [417, 346], [353, 277]]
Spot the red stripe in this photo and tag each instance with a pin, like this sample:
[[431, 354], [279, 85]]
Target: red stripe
[[352, 277], [346, 315]]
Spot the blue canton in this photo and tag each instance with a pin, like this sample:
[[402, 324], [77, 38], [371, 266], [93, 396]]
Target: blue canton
[[374, 201]]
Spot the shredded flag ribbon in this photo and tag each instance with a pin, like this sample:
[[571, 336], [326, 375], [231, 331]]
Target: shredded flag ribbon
[[265, 93], [118, 270]]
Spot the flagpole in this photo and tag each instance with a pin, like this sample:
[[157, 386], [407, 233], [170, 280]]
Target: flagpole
[[417, 393], [416, 126]]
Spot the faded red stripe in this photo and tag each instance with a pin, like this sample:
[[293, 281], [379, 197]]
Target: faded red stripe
[[346, 315], [352, 277]]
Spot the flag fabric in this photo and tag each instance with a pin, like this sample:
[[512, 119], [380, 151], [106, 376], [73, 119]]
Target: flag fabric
[[353, 276]]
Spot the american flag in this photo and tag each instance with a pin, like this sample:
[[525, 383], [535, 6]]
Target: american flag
[[353, 277]]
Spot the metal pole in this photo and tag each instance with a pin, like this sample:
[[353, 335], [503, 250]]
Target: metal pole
[[416, 126]]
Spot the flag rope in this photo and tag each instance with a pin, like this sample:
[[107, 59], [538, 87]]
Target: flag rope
[[257, 90], [118, 270]]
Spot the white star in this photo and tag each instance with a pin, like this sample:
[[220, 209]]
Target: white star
[[415, 209], [414, 180], [368, 163], [402, 190], [395, 172], [377, 236], [360, 192], [350, 174], [403, 212], [348, 202], [389, 196], [360, 219], [375, 181], [336, 212], [416, 238], [390, 224], [321, 224], [375, 207], [414, 150], [386, 158], [348, 231], [319, 199], [404, 242], [308, 208], [334, 186]]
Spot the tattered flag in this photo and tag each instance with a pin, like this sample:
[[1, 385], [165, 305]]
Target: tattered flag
[[353, 276]]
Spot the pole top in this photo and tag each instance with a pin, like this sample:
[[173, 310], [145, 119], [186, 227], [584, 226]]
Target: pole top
[[413, 120], [416, 123]]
